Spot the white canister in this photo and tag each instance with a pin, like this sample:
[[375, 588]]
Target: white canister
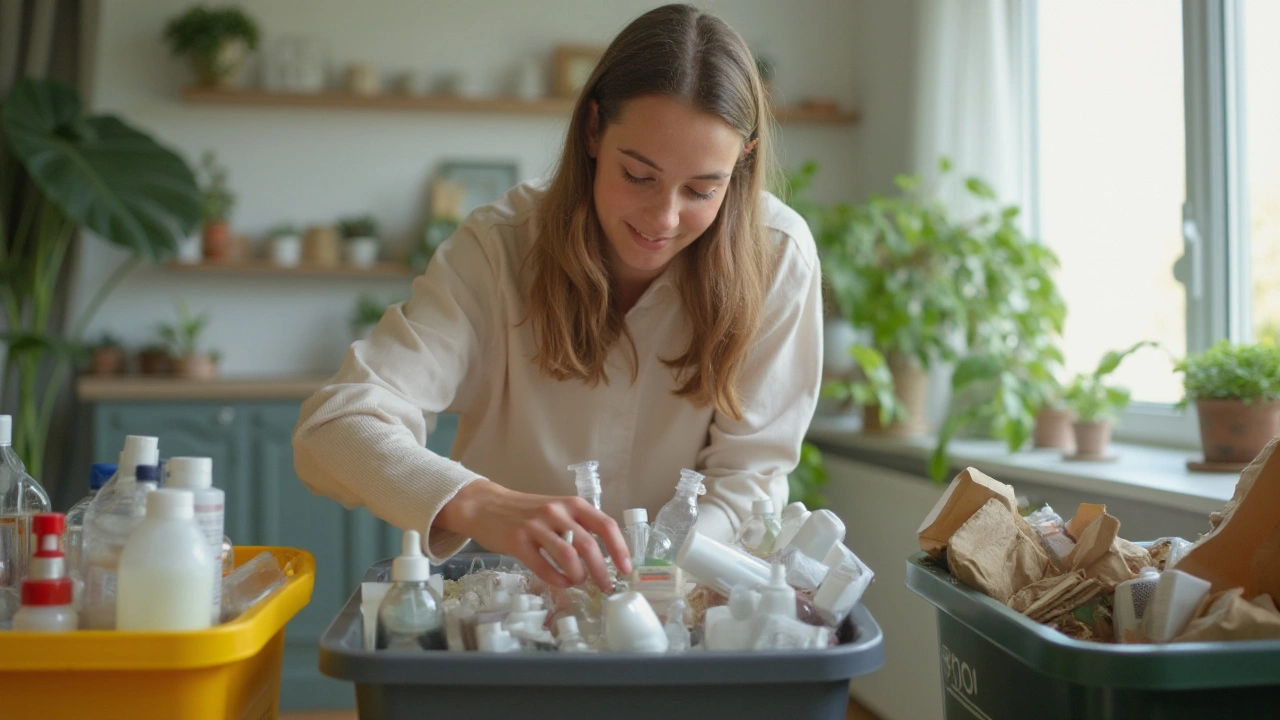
[[165, 579], [196, 474], [286, 250], [362, 251]]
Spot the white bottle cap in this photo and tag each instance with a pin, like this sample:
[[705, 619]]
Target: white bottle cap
[[635, 516], [567, 626], [190, 473], [821, 532], [170, 504], [794, 510], [138, 450], [778, 598], [412, 565], [6, 430], [762, 506], [719, 565]]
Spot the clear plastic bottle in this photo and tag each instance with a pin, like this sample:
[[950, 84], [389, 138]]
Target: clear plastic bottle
[[587, 479], [676, 519], [637, 534], [793, 516], [73, 542], [760, 532], [411, 616], [676, 629], [21, 497], [111, 518]]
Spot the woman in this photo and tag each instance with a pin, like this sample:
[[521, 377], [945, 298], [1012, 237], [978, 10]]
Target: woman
[[651, 308]]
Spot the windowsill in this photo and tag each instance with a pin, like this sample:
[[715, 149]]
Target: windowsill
[[1143, 473]]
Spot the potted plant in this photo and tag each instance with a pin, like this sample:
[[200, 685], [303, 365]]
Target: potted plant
[[1096, 405], [361, 235], [434, 234], [215, 40], [183, 341], [61, 172], [805, 483], [285, 241], [1236, 390], [872, 388], [367, 313], [216, 203], [154, 360], [106, 356]]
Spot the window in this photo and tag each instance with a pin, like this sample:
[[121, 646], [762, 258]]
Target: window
[[1158, 183]]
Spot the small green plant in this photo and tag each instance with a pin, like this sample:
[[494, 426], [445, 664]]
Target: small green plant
[[216, 198], [201, 31], [1242, 372], [1092, 399], [873, 385], [433, 235], [355, 226], [182, 338], [105, 341], [283, 230], [805, 483], [368, 311]]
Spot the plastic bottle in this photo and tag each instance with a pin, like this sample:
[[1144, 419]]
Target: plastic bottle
[[587, 480], [21, 497], [793, 516], [637, 534], [569, 639], [676, 629], [720, 566], [73, 541], [841, 590], [760, 532], [46, 593], [196, 474], [115, 512], [411, 616], [676, 519], [166, 568]]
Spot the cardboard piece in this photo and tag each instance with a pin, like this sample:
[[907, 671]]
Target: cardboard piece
[[990, 553], [1100, 553], [1228, 616], [1243, 548], [968, 492], [1054, 597]]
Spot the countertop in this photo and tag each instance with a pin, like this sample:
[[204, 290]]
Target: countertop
[[132, 387]]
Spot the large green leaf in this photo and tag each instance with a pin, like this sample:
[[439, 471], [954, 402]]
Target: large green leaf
[[103, 174]]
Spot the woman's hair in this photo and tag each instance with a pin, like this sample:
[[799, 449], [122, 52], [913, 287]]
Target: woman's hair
[[679, 52]]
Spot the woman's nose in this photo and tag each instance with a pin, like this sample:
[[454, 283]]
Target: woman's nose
[[664, 216]]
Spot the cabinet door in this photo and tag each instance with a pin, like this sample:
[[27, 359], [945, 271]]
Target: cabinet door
[[210, 430]]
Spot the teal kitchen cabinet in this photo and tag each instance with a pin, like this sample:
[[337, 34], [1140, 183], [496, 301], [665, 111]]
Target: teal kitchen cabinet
[[268, 505]]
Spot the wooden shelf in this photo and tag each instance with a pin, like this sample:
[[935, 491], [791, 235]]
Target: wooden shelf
[[441, 103], [266, 267]]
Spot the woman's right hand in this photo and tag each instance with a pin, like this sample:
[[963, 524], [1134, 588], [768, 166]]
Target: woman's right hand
[[520, 524]]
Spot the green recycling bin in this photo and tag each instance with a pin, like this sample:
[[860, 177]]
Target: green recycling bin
[[1000, 665]]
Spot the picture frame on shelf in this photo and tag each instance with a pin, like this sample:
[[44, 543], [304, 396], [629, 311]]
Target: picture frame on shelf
[[572, 66], [479, 183]]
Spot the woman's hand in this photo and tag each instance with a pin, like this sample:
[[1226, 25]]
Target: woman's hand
[[520, 524]]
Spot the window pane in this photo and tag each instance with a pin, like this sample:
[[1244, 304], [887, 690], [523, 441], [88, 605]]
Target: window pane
[[1262, 118], [1112, 181]]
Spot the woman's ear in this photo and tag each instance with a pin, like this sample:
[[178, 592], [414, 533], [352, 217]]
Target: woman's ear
[[593, 129]]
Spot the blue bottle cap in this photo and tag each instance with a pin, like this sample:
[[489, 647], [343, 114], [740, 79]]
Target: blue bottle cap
[[148, 473], [100, 473]]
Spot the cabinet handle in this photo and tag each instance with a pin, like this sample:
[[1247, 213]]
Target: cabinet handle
[[226, 415]]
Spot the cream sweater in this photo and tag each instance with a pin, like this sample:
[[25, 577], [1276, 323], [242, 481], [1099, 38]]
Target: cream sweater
[[457, 346]]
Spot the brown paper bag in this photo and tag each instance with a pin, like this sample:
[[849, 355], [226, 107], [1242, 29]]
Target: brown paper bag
[[1099, 552], [1229, 616], [1053, 597], [989, 553], [1243, 548], [969, 491]]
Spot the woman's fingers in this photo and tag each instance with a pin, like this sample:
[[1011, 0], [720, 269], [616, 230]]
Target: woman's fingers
[[533, 559], [559, 551], [605, 527]]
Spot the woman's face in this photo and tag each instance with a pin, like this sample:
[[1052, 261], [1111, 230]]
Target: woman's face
[[662, 172]]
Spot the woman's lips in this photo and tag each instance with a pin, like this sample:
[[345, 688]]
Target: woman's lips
[[644, 241]]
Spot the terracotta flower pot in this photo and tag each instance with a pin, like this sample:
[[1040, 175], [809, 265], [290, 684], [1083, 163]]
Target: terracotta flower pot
[[196, 367], [154, 362], [1092, 440], [910, 386], [220, 69], [1232, 431], [104, 361], [1053, 429], [217, 240]]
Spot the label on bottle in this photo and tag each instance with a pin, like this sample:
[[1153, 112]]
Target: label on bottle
[[658, 581], [210, 519], [14, 551]]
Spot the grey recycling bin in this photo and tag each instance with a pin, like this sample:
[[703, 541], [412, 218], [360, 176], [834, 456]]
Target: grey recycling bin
[[811, 684], [1000, 665]]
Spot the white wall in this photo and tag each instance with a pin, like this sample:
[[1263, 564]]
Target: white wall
[[308, 165]]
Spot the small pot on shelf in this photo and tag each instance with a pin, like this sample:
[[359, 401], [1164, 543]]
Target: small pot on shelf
[[217, 241], [200, 366], [286, 250], [1233, 432], [362, 252], [1053, 429], [154, 361], [106, 361], [1092, 440]]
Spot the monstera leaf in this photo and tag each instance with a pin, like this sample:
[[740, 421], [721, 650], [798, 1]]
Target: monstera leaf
[[101, 173]]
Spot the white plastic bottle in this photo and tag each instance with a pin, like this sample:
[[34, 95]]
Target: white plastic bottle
[[676, 519], [196, 474], [166, 569], [117, 509], [760, 532], [47, 593], [636, 533], [21, 497], [793, 516]]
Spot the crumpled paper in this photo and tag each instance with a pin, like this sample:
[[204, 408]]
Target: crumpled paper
[[1100, 552], [1053, 597], [970, 490], [991, 553], [1228, 616]]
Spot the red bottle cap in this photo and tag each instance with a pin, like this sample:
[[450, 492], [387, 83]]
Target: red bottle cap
[[49, 524], [46, 592]]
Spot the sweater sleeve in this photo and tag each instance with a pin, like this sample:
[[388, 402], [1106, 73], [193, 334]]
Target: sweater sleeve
[[361, 438], [750, 458]]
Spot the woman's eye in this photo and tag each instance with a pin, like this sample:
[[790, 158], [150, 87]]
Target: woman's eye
[[633, 179], [701, 196]]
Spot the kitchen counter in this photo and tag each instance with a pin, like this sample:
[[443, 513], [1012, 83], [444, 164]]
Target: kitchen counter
[[132, 387]]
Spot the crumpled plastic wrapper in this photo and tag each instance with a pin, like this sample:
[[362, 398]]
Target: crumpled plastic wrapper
[[991, 553], [1228, 616]]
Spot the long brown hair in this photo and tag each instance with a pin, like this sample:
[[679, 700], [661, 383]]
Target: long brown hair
[[679, 52]]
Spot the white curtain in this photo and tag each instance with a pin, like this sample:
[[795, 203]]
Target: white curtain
[[973, 102]]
